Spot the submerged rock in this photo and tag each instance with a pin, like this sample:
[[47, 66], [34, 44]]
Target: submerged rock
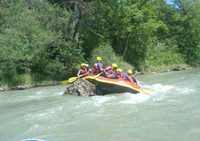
[[21, 87], [81, 87]]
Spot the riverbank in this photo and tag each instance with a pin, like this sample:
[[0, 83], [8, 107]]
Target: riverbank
[[29, 86], [167, 68], [160, 69]]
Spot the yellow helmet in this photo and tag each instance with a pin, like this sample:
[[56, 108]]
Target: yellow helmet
[[84, 65], [114, 65], [130, 71], [119, 70], [99, 58]]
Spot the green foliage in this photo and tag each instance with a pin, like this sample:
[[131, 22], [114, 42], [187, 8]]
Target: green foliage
[[8, 73], [128, 25], [184, 27], [162, 56], [33, 41], [48, 39], [106, 51]]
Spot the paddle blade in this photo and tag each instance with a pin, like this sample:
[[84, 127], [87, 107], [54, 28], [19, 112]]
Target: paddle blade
[[72, 79], [146, 91], [65, 82]]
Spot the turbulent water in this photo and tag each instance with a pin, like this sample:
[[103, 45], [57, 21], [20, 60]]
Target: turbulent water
[[170, 113]]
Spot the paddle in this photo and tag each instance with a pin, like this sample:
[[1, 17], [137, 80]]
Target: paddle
[[96, 75], [146, 92], [70, 80], [73, 79]]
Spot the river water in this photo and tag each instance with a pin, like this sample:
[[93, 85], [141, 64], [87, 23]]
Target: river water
[[170, 113]]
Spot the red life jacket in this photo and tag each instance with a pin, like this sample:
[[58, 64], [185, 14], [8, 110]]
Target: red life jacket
[[110, 73], [108, 70], [97, 68], [119, 75], [83, 72], [131, 79]]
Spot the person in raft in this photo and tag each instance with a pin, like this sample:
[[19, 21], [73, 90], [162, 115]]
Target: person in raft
[[84, 70], [130, 77], [98, 66], [120, 74], [111, 71]]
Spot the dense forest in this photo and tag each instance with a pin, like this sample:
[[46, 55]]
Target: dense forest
[[43, 40]]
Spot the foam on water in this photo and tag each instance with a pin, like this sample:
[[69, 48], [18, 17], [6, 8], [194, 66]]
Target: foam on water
[[33, 139], [184, 91], [159, 88], [100, 100], [157, 92], [134, 98], [160, 91], [153, 91], [42, 94], [39, 92], [46, 114]]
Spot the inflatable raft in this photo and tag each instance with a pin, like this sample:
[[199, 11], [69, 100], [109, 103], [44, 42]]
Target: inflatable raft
[[107, 85]]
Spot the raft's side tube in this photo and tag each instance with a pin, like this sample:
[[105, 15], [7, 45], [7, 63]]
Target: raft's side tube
[[121, 83]]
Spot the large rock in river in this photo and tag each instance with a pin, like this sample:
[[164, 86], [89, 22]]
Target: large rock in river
[[81, 87]]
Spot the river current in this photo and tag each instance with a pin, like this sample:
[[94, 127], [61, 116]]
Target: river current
[[170, 113]]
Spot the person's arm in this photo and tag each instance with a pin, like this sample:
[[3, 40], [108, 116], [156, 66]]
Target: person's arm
[[134, 79], [131, 80], [101, 68], [90, 70], [79, 73], [87, 73]]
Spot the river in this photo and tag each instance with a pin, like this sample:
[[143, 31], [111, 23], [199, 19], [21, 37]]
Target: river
[[170, 113]]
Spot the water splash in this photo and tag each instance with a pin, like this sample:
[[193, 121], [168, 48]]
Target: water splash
[[100, 100], [134, 98], [160, 91], [33, 139]]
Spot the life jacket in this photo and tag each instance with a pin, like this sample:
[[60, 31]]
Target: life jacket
[[114, 75], [97, 68], [125, 77], [83, 72], [130, 79], [119, 75], [110, 73], [108, 70]]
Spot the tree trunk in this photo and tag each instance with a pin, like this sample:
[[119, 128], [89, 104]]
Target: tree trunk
[[126, 47]]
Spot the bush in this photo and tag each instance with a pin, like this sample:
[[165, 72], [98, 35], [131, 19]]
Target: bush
[[107, 53], [34, 40], [8, 73], [163, 56]]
